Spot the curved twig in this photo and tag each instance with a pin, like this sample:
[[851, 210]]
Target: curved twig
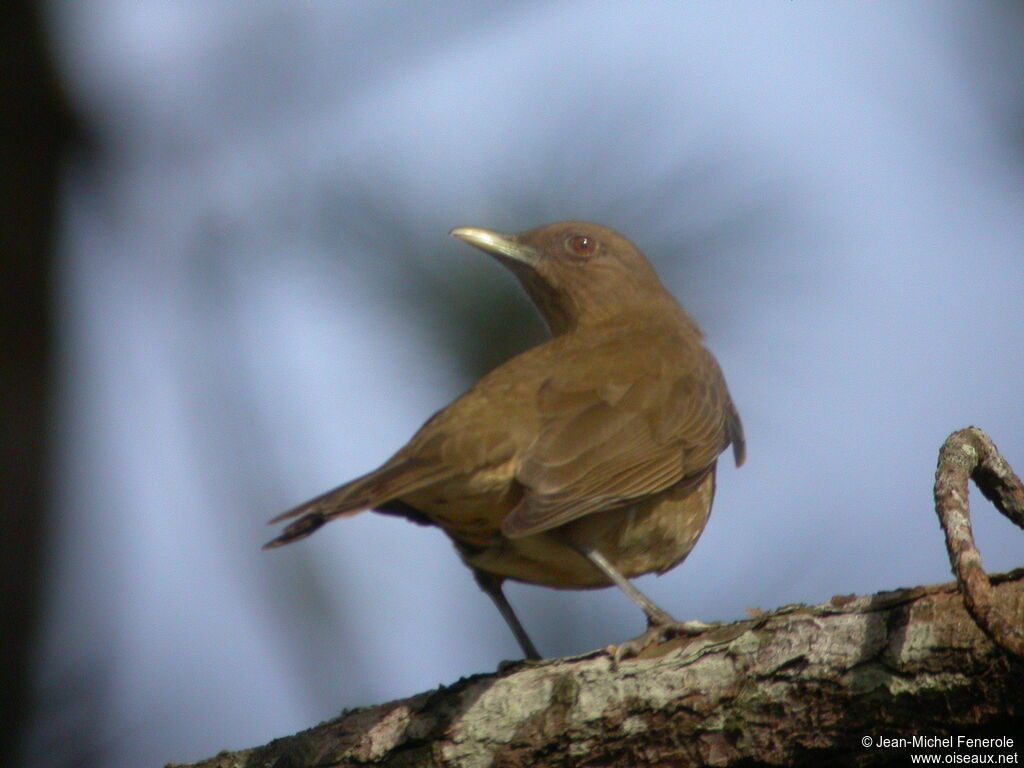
[[970, 453]]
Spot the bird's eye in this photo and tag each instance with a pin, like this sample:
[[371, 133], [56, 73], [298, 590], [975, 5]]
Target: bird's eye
[[582, 246]]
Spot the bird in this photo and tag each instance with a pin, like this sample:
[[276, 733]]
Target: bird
[[581, 463]]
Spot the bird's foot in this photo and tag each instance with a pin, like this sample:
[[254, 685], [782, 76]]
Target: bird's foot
[[655, 634]]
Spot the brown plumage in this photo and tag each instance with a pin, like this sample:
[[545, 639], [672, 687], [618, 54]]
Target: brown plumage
[[582, 462]]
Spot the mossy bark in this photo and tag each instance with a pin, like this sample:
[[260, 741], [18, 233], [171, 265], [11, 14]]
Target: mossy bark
[[800, 686]]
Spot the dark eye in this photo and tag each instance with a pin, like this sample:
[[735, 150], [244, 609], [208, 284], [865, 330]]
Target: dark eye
[[582, 246]]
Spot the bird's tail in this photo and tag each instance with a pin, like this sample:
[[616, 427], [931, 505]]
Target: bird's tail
[[366, 492]]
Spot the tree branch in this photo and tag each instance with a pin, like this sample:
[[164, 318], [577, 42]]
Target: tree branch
[[970, 453], [799, 686]]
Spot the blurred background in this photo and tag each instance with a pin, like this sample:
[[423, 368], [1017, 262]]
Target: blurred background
[[230, 288]]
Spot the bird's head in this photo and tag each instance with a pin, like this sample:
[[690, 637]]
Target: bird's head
[[578, 274]]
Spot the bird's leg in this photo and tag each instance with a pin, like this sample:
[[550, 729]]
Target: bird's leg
[[659, 622], [655, 615], [491, 585]]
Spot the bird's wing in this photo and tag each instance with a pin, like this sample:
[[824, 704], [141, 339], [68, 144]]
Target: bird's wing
[[640, 431]]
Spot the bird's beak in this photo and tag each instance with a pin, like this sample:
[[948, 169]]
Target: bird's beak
[[497, 244]]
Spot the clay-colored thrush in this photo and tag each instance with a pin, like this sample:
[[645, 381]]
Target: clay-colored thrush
[[582, 462]]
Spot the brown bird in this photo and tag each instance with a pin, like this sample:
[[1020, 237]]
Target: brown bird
[[581, 463]]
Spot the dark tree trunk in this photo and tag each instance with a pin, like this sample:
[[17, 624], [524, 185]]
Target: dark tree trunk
[[34, 132]]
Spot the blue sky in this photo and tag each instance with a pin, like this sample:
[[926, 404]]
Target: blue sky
[[834, 191]]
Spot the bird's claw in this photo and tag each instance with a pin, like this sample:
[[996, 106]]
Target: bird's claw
[[655, 634]]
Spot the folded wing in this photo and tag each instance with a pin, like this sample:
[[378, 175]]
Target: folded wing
[[644, 429]]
